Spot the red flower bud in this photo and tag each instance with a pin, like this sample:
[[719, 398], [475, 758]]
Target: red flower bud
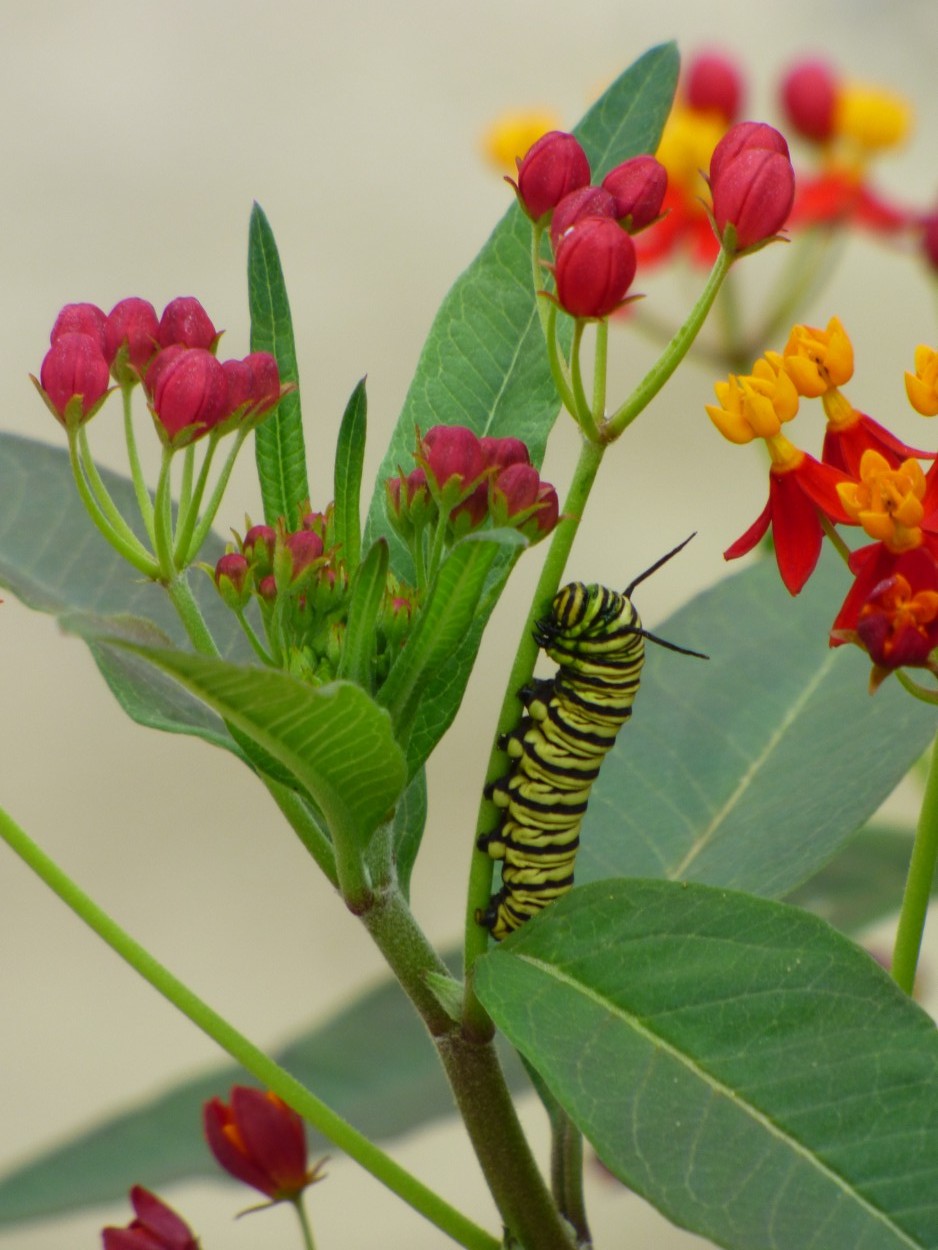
[[80, 319], [552, 167], [132, 326], [240, 380], [501, 452], [548, 511], [157, 1227], [515, 490], [809, 98], [713, 84], [452, 454], [233, 580], [930, 240], [258, 547], [259, 1140], [74, 376], [189, 393], [265, 381], [754, 192], [637, 186], [185, 321], [587, 202], [741, 138], [295, 556], [595, 267]]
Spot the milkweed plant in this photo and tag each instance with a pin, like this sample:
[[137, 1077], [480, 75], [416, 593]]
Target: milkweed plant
[[695, 1012]]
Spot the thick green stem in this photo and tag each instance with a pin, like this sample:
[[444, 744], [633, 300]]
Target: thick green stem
[[260, 1065], [566, 1173], [184, 601], [918, 884], [475, 1018]]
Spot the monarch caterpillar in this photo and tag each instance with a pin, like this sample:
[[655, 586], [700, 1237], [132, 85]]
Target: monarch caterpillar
[[596, 637]]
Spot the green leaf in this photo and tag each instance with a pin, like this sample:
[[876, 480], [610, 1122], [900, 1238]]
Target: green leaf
[[484, 364], [55, 561], [333, 739], [864, 882], [752, 769], [749, 1071], [410, 818], [447, 617], [349, 462], [279, 447], [373, 1063], [357, 662]]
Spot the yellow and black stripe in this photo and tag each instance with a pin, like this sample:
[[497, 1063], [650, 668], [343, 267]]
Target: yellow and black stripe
[[595, 636]]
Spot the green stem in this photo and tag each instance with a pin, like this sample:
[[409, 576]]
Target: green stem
[[307, 829], [305, 1226], [918, 884], [566, 1172], [131, 552], [261, 1066], [184, 601], [188, 546], [144, 502], [582, 412], [103, 497], [475, 1019], [600, 369], [163, 516], [560, 370], [673, 354]]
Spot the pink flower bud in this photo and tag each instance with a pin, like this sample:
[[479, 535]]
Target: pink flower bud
[[552, 167], [587, 202], [74, 376], [515, 490], [595, 267], [189, 393], [185, 321], [501, 452], [929, 239], [741, 138], [548, 511], [132, 326], [258, 547], [452, 453], [265, 381], [637, 186], [809, 99], [713, 84], [302, 548], [233, 580], [80, 319], [240, 381], [754, 192]]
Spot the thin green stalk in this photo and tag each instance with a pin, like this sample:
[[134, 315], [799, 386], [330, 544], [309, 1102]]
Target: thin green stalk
[[560, 370], [475, 1019], [918, 884], [185, 483], [261, 1066], [583, 413], [144, 502], [566, 1173], [256, 645], [673, 354], [305, 827], [305, 1226], [184, 601], [600, 369], [188, 547], [103, 496], [163, 516], [144, 563]]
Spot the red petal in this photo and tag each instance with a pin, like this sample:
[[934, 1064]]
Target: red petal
[[796, 529], [753, 535]]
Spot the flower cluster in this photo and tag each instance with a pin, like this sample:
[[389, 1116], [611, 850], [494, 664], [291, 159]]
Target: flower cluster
[[867, 477], [188, 390], [591, 226]]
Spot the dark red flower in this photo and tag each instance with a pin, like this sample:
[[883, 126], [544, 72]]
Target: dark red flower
[[130, 334], [713, 83], [809, 97], [189, 392], [259, 1140], [638, 187], [595, 267], [586, 202], [74, 377], [157, 1227], [552, 167], [185, 321]]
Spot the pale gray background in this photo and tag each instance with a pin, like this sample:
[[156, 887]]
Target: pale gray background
[[133, 139]]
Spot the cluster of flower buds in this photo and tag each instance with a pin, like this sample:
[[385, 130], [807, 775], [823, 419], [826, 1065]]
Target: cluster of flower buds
[[591, 226], [866, 477], [188, 390], [463, 482]]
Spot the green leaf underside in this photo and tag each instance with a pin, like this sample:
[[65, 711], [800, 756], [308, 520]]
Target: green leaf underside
[[726, 772], [752, 1073], [334, 739], [373, 1063], [484, 363], [279, 445]]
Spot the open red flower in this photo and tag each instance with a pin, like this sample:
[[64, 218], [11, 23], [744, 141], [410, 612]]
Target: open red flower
[[801, 491], [259, 1140]]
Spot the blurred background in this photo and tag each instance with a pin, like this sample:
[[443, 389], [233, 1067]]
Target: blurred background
[[133, 140]]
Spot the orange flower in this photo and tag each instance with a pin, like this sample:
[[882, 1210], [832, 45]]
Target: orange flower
[[890, 503]]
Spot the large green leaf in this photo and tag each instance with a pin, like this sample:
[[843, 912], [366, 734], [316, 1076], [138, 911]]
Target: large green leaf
[[752, 769], [484, 364], [279, 445], [333, 739], [736, 1061], [373, 1063]]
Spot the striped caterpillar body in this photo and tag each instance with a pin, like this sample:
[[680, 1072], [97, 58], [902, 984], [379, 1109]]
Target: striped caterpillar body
[[595, 636]]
